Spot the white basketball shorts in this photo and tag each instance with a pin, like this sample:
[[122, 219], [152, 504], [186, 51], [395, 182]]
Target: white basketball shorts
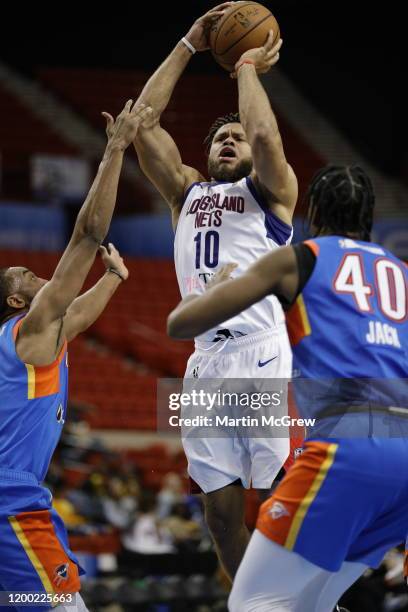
[[214, 462]]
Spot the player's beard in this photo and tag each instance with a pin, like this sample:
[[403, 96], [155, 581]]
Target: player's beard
[[223, 172]]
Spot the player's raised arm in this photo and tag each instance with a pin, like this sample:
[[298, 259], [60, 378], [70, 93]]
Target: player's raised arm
[[161, 162], [277, 273], [86, 309], [45, 319], [158, 154], [159, 88], [273, 175]]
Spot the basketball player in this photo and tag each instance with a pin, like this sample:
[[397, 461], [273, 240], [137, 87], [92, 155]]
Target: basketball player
[[37, 319], [344, 503], [243, 211]]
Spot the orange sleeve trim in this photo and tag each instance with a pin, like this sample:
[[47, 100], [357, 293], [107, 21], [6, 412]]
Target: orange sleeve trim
[[42, 381], [313, 246]]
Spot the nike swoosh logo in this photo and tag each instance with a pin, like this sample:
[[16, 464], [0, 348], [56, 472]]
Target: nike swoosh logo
[[261, 364]]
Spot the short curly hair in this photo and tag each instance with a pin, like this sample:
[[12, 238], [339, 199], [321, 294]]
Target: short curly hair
[[219, 122], [341, 199]]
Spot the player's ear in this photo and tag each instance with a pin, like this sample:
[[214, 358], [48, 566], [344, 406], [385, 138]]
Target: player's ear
[[16, 301]]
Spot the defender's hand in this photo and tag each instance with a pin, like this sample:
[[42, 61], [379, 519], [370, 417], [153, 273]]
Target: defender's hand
[[122, 131], [222, 275], [199, 31], [112, 259], [150, 119], [263, 58]]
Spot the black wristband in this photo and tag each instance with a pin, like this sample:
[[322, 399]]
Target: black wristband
[[115, 272]]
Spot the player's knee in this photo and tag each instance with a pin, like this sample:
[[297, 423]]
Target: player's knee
[[239, 601], [244, 600], [237, 604], [222, 522]]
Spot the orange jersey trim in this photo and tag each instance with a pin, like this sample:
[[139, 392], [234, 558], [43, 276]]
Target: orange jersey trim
[[313, 246], [42, 380], [36, 534], [281, 517], [297, 321]]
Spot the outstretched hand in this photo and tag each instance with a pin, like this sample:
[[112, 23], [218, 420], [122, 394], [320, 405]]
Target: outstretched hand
[[263, 57], [122, 130], [112, 259], [222, 275]]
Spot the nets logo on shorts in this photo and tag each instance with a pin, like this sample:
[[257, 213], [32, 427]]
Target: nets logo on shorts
[[277, 510], [61, 574]]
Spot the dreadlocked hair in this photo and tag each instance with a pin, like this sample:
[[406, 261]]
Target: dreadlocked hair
[[219, 122], [341, 200], [5, 289]]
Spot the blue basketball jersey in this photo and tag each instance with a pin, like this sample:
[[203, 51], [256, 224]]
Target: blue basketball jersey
[[350, 322], [33, 403], [33, 538]]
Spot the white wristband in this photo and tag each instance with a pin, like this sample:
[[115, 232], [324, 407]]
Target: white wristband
[[188, 45]]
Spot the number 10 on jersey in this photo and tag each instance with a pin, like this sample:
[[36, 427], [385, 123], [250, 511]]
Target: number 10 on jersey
[[207, 246]]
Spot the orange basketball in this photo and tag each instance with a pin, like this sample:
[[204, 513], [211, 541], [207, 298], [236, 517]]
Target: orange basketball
[[244, 26]]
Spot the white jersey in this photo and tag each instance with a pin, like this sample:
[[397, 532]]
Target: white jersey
[[224, 223]]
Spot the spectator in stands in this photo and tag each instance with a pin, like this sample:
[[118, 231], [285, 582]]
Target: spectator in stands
[[164, 547], [119, 507], [65, 507], [172, 492], [147, 535], [186, 533]]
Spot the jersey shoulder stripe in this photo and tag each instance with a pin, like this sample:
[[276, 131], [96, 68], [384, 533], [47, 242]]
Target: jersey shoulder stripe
[[276, 229]]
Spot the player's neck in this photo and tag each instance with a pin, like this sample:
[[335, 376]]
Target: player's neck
[[12, 315]]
